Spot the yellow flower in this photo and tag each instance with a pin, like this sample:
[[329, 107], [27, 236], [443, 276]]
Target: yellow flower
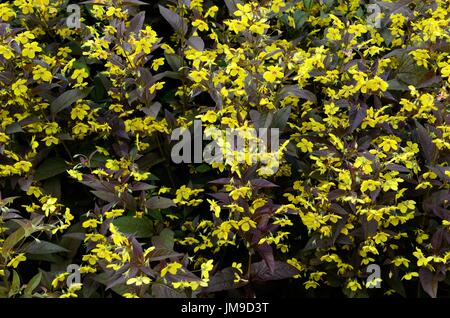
[[172, 268], [211, 12], [273, 73], [50, 140], [75, 174], [259, 27], [6, 52], [198, 76], [365, 163], [17, 260], [410, 275], [156, 86], [40, 72], [210, 116], [353, 285], [130, 295], [79, 74], [370, 185], [241, 192], [30, 49], [334, 34], [200, 24], [305, 145], [214, 207], [157, 63], [311, 284], [114, 213], [23, 166], [139, 281], [49, 206], [246, 224], [19, 88], [206, 268], [398, 261], [421, 259], [92, 223]]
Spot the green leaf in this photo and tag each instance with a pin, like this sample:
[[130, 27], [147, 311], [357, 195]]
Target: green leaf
[[15, 285], [140, 227], [12, 240], [165, 239], [328, 3], [308, 4], [396, 85], [175, 61], [203, 168], [98, 93], [300, 18], [68, 98], [50, 168]]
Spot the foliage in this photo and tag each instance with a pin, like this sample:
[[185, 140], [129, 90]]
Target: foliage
[[363, 172]]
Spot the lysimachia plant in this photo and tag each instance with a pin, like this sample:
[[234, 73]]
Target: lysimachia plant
[[355, 93]]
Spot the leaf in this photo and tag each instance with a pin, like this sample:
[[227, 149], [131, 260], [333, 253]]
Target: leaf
[[13, 128], [44, 247], [232, 5], [158, 202], [50, 168], [140, 227], [222, 280], [281, 270], [106, 196], [435, 203], [396, 85], [261, 183], [160, 254], [294, 90], [141, 186], [98, 92], [32, 284], [203, 168], [196, 42], [266, 252], [12, 240], [174, 20], [164, 291], [429, 282], [165, 239], [68, 98], [357, 115], [281, 117], [137, 23], [15, 285], [429, 149], [52, 186], [308, 4], [300, 17]]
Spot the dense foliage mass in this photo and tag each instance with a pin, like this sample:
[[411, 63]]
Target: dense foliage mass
[[89, 189]]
